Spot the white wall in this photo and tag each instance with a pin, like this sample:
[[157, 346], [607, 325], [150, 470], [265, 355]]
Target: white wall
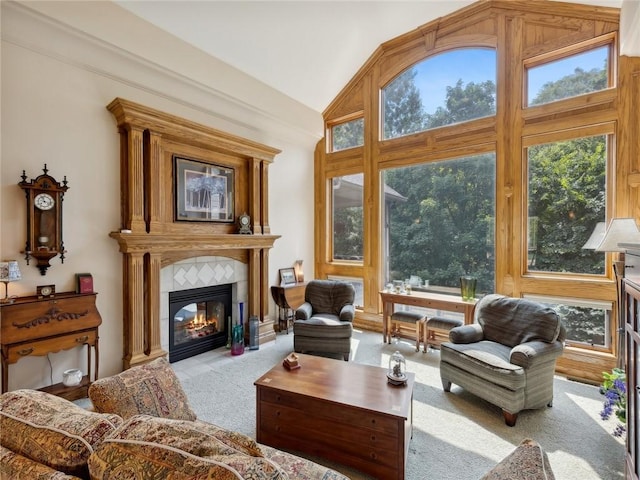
[[630, 28], [62, 63]]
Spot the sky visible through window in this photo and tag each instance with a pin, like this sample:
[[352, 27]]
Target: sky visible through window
[[478, 65]]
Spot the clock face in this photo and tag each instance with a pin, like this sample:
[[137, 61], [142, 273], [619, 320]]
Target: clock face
[[44, 201], [46, 291], [244, 220]]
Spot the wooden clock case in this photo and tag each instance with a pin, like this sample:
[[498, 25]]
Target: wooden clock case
[[44, 224]]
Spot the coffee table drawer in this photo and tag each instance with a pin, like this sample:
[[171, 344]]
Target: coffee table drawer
[[289, 421], [289, 427], [349, 416]]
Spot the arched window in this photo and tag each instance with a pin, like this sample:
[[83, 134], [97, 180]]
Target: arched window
[[452, 87]]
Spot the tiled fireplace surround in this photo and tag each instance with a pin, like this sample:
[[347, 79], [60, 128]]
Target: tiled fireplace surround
[[200, 272]]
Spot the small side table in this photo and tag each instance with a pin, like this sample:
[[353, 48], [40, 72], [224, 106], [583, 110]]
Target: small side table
[[288, 298]]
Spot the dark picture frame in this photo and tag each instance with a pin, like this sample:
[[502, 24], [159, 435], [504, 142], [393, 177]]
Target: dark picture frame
[[287, 276], [204, 192]]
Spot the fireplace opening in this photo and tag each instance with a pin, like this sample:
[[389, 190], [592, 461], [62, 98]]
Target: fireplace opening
[[198, 320]]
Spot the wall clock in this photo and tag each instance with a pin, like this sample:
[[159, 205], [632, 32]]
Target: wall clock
[[44, 218]]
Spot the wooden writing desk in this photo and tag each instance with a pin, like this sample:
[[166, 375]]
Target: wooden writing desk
[[438, 301], [33, 326], [287, 298]]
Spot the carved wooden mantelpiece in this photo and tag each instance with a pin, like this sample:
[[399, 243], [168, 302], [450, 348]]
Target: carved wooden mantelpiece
[[150, 238]]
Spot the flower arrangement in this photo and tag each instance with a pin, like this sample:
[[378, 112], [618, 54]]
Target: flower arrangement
[[614, 389]]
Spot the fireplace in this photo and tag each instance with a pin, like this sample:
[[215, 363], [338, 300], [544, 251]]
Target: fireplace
[[151, 240], [198, 320]]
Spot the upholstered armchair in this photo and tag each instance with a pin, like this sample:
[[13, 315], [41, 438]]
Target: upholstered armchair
[[323, 322], [508, 356]]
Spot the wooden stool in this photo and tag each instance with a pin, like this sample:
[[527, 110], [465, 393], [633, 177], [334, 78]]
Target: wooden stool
[[413, 318], [435, 325]]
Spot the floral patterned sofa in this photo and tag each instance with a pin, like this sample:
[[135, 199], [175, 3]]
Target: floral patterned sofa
[[142, 427]]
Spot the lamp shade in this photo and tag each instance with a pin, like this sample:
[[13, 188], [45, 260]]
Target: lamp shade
[[9, 271], [596, 236], [621, 230]]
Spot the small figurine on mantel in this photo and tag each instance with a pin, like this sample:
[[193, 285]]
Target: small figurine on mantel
[[244, 222]]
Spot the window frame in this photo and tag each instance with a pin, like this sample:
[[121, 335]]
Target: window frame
[[605, 129], [609, 40]]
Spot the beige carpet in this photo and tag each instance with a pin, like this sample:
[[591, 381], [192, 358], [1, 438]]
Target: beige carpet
[[455, 435]]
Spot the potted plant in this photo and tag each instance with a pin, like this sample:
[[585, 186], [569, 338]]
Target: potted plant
[[614, 389]]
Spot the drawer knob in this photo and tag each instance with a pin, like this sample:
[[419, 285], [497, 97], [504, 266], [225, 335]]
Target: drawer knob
[[82, 339], [373, 438], [373, 456], [25, 351]]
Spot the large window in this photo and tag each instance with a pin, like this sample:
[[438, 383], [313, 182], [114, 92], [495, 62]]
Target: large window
[[566, 198], [449, 88], [347, 217], [441, 224], [489, 147]]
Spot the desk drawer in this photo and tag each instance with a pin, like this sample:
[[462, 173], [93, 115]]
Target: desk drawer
[[42, 347], [28, 320]]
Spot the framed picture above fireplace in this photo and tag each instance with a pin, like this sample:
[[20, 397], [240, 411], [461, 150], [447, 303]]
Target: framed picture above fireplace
[[204, 192]]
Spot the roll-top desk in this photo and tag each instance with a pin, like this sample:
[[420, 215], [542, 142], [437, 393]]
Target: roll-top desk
[[33, 326]]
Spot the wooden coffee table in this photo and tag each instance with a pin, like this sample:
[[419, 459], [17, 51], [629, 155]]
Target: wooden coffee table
[[343, 411]]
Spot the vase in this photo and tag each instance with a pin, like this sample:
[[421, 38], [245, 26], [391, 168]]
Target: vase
[[468, 287], [237, 340], [229, 328]]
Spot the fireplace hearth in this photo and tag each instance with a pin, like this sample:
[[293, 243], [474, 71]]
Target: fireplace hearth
[[198, 320]]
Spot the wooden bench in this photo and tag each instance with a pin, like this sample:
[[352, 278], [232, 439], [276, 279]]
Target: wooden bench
[[413, 318], [438, 325]]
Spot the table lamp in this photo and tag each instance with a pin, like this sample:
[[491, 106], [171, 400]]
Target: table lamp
[[620, 230], [9, 272]]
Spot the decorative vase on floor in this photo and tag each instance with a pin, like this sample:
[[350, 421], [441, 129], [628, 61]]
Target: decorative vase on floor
[[237, 341], [229, 329]]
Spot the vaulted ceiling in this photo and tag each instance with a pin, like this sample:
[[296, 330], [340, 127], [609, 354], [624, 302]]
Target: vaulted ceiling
[[307, 50]]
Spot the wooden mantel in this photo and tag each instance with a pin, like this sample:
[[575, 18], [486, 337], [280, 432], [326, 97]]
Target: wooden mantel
[[151, 238]]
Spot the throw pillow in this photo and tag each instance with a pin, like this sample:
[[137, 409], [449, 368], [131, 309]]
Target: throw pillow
[[51, 430], [152, 447], [149, 389], [13, 465], [528, 461]]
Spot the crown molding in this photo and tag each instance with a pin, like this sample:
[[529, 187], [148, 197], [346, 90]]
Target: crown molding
[[289, 121]]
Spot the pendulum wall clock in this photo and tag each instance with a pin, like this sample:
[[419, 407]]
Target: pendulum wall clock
[[44, 218]]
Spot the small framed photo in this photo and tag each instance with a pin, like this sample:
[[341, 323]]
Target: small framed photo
[[287, 276], [84, 283], [204, 192], [44, 291]]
